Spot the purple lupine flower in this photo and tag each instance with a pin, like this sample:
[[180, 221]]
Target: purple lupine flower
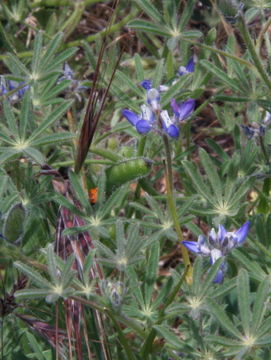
[[142, 123], [218, 245], [68, 74], [168, 125], [183, 110], [254, 130], [189, 68]]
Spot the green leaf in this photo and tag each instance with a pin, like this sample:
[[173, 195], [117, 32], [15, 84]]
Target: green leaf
[[37, 51], [60, 59], [113, 201], [25, 114], [81, 195], [151, 272], [244, 300], [191, 34], [7, 154], [30, 294], [197, 181], [211, 172], [224, 320], [50, 50], [36, 347], [143, 25], [10, 118], [52, 267], [53, 139], [35, 154], [37, 279], [61, 200], [150, 10], [139, 68], [169, 336], [51, 118], [186, 14], [19, 65], [260, 305], [232, 83], [5, 39], [123, 78]]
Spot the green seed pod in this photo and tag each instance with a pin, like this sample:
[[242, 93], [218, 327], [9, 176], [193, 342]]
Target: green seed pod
[[211, 36], [127, 170], [14, 223]]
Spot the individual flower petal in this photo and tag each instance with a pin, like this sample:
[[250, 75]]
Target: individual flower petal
[[221, 233], [173, 131], [143, 126], [212, 237], [219, 277], [146, 84], [147, 114], [130, 116], [68, 73], [241, 233], [184, 109], [192, 246], [163, 88], [153, 99], [189, 68]]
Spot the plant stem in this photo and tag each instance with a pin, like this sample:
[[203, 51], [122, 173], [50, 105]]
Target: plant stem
[[171, 201], [252, 51]]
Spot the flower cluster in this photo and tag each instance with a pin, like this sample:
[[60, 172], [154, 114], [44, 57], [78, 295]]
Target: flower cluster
[[9, 85], [152, 117], [68, 74], [218, 245]]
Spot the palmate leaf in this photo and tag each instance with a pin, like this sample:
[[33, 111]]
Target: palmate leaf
[[223, 319]]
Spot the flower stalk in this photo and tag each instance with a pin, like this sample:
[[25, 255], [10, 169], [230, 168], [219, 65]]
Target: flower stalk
[[171, 201]]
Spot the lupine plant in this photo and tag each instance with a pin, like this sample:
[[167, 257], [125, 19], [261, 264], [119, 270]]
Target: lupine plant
[[135, 180]]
